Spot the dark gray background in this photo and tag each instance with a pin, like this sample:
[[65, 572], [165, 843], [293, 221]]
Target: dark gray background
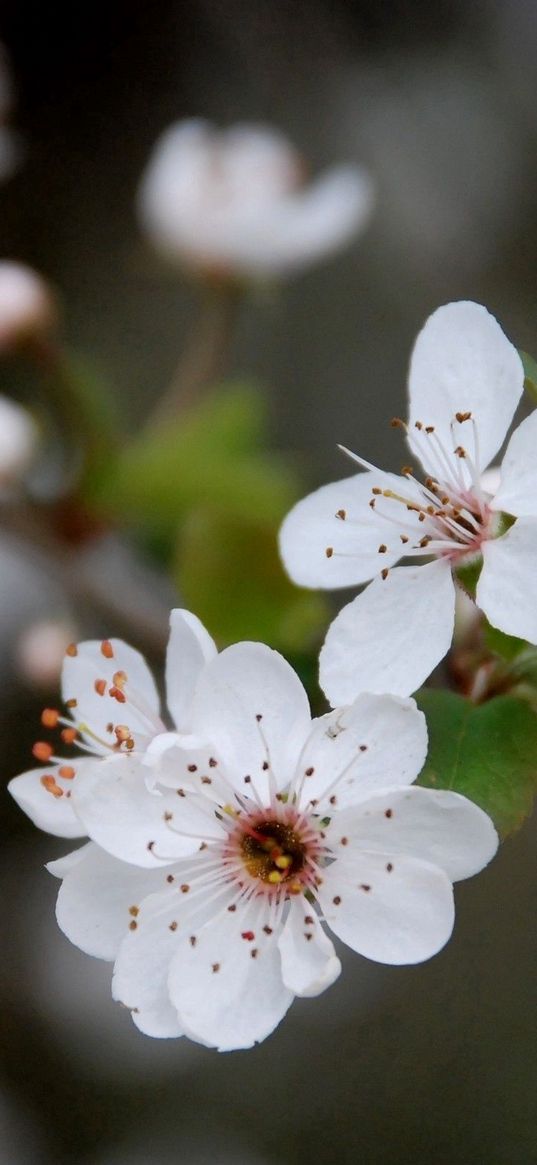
[[432, 1065]]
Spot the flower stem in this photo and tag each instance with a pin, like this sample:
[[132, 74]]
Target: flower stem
[[206, 354]]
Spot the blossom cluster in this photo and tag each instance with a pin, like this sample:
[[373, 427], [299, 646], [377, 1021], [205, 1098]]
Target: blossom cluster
[[221, 851], [229, 834]]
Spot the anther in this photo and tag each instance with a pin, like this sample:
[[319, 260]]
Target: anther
[[117, 694], [100, 687], [404, 538], [376, 490], [51, 786], [67, 772], [275, 877], [49, 717], [68, 735], [106, 649], [342, 514], [429, 429], [72, 649], [72, 703], [460, 417], [384, 573], [119, 678], [382, 548], [329, 551], [42, 751]]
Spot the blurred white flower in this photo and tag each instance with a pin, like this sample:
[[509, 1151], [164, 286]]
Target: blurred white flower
[[40, 651], [28, 306], [234, 203], [18, 441]]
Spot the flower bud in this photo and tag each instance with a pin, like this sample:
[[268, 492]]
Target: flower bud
[[28, 307]]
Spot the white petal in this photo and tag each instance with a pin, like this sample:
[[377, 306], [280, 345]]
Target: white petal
[[392, 912], [305, 226], [228, 987], [252, 706], [517, 493], [463, 362], [141, 969], [140, 709], [98, 900], [354, 752], [391, 636], [128, 821], [190, 647], [164, 921], [54, 814], [506, 590], [60, 867], [432, 825], [312, 527], [309, 961]]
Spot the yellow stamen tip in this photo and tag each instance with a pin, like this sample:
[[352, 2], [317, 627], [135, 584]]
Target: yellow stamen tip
[[283, 862], [275, 877]]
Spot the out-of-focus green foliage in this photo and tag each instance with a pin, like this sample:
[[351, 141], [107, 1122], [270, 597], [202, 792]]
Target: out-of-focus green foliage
[[228, 570], [212, 454], [487, 752], [530, 375], [205, 493]]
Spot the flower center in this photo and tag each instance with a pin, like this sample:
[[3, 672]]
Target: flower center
[[272, 851]]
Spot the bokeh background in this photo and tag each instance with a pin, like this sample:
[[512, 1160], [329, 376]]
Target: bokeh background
[[433, 1065]]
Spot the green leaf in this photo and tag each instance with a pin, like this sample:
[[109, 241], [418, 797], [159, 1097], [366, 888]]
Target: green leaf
[[530, 375], [507, 647], [212, 455], [486, 752], [229, 571]]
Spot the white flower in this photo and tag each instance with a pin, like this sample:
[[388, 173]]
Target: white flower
[[113, 715], [465, 383], [28, 306], [298, 825], [232, 202], [18, 441]]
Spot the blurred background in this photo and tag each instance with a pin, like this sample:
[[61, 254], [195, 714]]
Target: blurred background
[[433, 1064]]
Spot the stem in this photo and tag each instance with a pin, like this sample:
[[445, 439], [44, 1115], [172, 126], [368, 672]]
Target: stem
[[206, 354]]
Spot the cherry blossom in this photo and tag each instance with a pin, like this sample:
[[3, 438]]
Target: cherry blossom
[[113, 714], [299, 825], [465, 382], [233, 203]]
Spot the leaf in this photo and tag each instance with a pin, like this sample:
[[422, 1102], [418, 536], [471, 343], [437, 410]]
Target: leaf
[[228, 570], [530, 375], [211, 455], [507, 647], [486, 752]]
